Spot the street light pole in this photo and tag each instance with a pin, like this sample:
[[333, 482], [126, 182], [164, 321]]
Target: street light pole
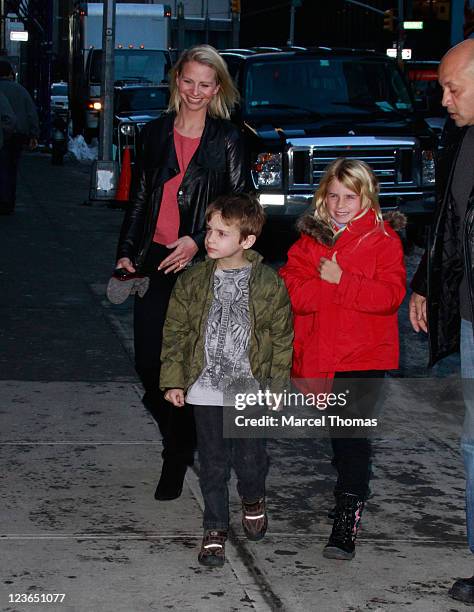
[[104, 174], [107, 84], [3, 28], [400, 30], [291, 37]]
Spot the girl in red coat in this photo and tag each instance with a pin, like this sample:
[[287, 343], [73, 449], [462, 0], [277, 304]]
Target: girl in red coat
[[346, 280]]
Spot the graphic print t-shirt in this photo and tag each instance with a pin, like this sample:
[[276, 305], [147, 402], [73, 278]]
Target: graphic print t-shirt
[[227, 340]]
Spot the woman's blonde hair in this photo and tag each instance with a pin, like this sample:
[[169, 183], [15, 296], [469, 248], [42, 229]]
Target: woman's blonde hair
[[355, 175], [224, 101]]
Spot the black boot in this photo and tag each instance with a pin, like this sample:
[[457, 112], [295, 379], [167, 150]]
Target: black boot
[[332, 511], [341, 543], [463, 590], [171, 481]]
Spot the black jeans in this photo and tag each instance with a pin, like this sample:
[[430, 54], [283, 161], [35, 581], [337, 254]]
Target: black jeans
[[217, 455], [352, 456], [176, 424]]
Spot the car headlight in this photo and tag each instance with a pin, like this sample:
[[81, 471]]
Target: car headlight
[[266, 171], [127, 129], [427, 168]]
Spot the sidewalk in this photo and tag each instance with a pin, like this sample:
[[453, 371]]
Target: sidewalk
[[81, 456]]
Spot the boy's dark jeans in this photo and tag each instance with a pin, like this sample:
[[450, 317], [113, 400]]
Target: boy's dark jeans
[[217, 455]]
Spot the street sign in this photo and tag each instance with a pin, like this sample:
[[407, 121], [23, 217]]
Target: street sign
[[406, 53], [412, 25], [19, 36]]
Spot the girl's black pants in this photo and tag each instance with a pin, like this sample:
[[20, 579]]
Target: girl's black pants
[[352, 455]]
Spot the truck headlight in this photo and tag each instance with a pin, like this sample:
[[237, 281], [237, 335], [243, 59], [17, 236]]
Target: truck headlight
[[127, 129], [266, 171], [427, 168]]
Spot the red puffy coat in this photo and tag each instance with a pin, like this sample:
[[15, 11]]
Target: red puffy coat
[[353, 325]]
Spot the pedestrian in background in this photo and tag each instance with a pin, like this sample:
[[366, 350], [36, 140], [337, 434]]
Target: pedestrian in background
[[346, 280], [26, 132], [7, 123], [187, 158], [228, 323], [443, 286]]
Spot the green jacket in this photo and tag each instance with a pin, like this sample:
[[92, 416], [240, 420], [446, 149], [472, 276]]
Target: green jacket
[[270, 349]]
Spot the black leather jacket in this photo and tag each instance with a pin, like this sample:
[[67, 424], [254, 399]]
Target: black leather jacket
[[216, 168], [441, 269]]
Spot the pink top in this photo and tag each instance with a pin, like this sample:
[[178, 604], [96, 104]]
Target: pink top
[[167, 225]]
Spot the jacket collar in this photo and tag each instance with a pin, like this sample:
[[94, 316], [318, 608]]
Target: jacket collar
[[322, 233], [252, 256], [209, 153]]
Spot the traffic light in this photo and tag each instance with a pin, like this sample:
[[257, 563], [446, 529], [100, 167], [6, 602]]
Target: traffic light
[[389, 20], [235, 6]]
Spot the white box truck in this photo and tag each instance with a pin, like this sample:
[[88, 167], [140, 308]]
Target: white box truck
[[142, 38]]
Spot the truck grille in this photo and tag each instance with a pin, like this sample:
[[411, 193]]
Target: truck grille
[[393, 165]]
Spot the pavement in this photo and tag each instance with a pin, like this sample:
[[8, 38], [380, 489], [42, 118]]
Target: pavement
[[80, 455]]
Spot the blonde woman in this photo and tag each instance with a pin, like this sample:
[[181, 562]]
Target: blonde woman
[[346, 280], [187, 158]]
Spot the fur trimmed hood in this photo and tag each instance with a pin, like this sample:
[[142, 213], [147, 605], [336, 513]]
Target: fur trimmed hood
[[322, 233]]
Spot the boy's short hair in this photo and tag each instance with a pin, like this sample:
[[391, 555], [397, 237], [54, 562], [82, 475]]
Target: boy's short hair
[[240, 208]]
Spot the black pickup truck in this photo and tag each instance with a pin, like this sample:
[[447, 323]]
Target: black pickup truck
[[300, 110]]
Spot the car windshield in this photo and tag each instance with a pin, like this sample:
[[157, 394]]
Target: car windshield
[[334, 86], [143, 99], [59, 90], [134, 65]]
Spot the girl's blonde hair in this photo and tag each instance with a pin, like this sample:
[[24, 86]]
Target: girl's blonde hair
[[355, 175], [224, 101]]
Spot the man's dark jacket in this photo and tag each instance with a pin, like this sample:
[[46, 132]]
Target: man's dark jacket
[[216, 169], [441, 269]]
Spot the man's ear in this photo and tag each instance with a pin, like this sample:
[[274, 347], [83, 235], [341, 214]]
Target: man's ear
[[249, 241]]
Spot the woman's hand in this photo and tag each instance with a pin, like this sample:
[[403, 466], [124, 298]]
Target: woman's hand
[[175, 396], [125, 262], [184, 250], [417, 312], [329, 270]]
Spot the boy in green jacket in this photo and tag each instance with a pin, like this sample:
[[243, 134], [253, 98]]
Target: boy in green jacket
[[228, 321]]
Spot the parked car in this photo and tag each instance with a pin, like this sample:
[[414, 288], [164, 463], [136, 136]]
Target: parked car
[[134, 106], [59, 97], [301, 109]]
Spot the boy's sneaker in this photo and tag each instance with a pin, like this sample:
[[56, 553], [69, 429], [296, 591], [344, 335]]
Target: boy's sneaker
[[463, 590], [254, 519], [212, 552], [346, 524]]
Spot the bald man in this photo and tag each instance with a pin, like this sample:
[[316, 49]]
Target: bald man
[[442, 303]]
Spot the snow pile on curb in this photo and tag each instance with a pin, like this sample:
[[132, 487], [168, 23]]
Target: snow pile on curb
[[81, 150]]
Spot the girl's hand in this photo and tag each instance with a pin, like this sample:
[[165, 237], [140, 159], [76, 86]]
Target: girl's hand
[[175, 396], [329, 270], [126, 263], [184, 250]]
